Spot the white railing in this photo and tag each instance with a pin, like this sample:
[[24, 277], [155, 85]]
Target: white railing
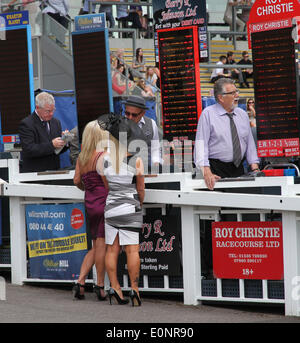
[[195, 202]]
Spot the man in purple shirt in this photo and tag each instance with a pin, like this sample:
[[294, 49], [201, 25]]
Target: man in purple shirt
[[213, 152]]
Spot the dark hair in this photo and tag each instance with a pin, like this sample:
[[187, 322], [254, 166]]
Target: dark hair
[[222, 57], [229, 53], [250, 99], [137, 56]]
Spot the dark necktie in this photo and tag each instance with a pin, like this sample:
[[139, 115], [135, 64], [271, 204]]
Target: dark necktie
[[237, 155], [47, 126]]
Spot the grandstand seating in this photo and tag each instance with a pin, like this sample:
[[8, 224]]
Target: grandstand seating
[[217, 48]]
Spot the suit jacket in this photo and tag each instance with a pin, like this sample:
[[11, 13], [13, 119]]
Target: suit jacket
[[37, 149]]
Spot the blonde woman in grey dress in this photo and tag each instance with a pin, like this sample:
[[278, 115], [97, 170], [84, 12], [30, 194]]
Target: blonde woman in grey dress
[[124, 178]]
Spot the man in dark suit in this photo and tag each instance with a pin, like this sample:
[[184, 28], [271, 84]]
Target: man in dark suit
[[40, 135]]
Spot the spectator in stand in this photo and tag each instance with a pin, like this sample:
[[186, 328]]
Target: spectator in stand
[[139, 61], [118, 58], [244, 16], [58, 10], [107, 9], [219, 72], [235, 73], [134, 16], [121, 10], [88, 180], [251, 112], [252, 117], [246, 72], [151, 78], [228, 17], [86, 7], [119, 81], [32, 7], [146, 89]]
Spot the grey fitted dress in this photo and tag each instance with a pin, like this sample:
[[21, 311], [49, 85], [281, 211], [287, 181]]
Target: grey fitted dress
[[123, 213]]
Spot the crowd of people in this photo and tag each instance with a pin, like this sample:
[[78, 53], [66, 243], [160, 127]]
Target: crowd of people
[[112, 180], [240, 74], [133, 15], [137, 79], [112, 177]]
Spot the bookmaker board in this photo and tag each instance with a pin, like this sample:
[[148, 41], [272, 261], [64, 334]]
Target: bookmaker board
[[16, 70], [180, 86], [276, 98], [271, 35], [92, 74]]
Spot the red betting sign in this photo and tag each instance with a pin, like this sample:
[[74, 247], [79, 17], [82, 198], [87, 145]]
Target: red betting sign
[[247, 250], [268, 15]]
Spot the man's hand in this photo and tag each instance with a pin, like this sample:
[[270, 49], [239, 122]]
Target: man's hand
[[58, 143], [210, 178]]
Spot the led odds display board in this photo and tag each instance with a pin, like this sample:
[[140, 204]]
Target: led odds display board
[[16, 86], [276, 84], [180, 82], [276, 99], [92, 75]]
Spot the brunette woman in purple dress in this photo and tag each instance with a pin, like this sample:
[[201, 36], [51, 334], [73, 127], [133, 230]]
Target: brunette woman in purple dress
[[87, 179]]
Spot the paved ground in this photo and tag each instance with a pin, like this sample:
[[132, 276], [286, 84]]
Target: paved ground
[[42, 304]]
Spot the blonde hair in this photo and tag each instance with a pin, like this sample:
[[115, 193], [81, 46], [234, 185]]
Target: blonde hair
[[93, 138], [117, 153]]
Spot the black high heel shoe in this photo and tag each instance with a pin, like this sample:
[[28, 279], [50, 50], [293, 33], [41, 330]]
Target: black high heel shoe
[[135, 299], [76, 291], [97, 290], [112, 294]]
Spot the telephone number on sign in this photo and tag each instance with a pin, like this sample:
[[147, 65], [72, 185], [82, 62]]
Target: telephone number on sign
[[44, 227]]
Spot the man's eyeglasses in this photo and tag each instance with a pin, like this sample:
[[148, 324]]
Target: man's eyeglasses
[[134, 115], [49, 111], [232, 93]]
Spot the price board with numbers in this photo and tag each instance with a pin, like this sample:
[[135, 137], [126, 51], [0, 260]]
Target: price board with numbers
[[276, 86], [180, 82]]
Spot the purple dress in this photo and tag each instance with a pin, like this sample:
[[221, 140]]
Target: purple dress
[[95, 199]]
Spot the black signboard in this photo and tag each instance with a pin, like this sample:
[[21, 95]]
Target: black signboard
[[160, 244], [276, 99], [168, 14], [15, 88], [92, 81]]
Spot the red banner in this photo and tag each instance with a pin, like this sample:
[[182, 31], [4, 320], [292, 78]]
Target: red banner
[[271, 14], [247, 250], [278, 147]]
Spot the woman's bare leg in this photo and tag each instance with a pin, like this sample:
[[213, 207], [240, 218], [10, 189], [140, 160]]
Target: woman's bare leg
[[133, 265]]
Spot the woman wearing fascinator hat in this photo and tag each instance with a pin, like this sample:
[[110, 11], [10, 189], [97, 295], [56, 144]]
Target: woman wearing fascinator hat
[[123, 211]]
